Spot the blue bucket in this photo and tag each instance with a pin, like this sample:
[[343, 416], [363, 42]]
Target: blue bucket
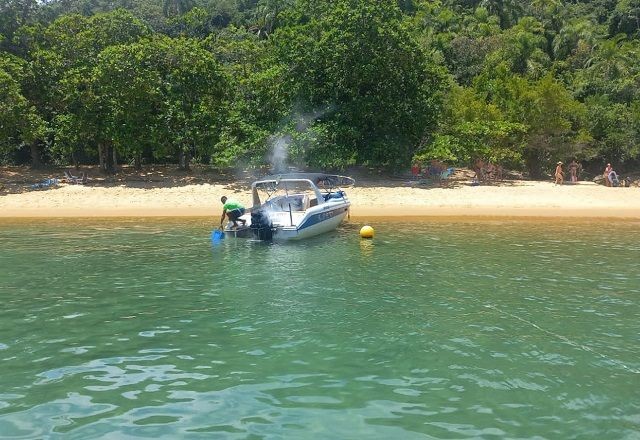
[[217, 235]]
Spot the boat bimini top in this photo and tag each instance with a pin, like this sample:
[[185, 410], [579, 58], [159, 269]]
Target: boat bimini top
[[293, 182]]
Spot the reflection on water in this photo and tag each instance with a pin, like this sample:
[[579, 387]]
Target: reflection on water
[[441, 330], [367, 247]]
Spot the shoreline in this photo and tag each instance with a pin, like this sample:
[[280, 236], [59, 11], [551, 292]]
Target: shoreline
[[417, 214], [518, 200]]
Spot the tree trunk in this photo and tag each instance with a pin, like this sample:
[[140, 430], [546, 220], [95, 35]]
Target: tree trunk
[[183, 160], [137, 162], [110, 159], [74, 160], [533, 163], [107, 157], [36, 161], [101, 155]]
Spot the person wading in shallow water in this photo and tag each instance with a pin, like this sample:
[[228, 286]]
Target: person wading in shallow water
[[233, 210]]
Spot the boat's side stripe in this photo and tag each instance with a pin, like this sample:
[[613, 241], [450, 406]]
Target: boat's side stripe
[[322, 216]]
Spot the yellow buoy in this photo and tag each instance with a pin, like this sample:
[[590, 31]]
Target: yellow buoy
[[366, 232]]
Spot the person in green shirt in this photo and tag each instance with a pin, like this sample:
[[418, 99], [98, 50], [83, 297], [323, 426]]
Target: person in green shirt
[[233, 210]]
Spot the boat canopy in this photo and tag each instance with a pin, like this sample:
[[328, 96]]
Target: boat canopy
[[321, 180], [317, 181]]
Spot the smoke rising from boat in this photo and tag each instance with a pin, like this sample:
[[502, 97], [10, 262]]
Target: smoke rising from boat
[[279, 154], [280, 144]]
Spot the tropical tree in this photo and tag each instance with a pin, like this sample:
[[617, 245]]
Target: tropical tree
[[13, 15], [197, 23], [195, 93], [613, 69], [576, 32], [556, 124], [435, 24], [126, 87], [163, 97], [19, 121], [611, 58], [522, 47], [177, 7], [615, 129], [260, 95], [480, 24], [66, 60], [358, 70], [472, 128], [265, 16], [626, 19], [508, 11], [466, 56]]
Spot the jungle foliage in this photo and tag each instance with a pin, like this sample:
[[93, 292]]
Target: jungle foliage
[[335, 82]]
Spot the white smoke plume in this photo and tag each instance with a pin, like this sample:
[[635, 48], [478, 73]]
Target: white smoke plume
[[279, 152]]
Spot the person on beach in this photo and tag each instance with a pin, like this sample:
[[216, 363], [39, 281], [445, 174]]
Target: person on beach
[[479, 168], [612, 178], [559, 174], [573, 171], [606, 173], [416, 169], [233, 210]]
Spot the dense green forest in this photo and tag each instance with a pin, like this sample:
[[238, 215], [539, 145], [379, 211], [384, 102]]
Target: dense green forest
[[325, 83]]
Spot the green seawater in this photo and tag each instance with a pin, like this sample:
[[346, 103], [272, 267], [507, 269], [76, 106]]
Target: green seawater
[[437, 329]]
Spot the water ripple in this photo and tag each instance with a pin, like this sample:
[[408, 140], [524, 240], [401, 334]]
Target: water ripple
[[433, 330]]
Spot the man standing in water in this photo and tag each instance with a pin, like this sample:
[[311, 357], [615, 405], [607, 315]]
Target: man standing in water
[[233, 210], [559, 174]]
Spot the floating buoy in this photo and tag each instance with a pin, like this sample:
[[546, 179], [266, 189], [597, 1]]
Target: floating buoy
[[366, 232]]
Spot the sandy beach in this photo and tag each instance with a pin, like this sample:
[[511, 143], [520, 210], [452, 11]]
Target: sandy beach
[[370, 199]]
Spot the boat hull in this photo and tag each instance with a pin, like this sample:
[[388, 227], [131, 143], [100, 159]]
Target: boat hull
[[314, 224], [315, 221]]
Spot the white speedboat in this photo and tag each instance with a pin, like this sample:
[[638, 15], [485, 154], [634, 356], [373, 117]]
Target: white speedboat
[[295, 206]]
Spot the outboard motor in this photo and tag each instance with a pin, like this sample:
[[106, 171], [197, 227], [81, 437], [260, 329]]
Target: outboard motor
[[261, 224]]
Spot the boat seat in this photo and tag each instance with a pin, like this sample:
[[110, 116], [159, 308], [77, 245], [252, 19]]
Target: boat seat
[[298, 202]]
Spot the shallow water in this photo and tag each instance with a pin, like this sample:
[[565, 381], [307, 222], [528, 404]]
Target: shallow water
[[122, 329]]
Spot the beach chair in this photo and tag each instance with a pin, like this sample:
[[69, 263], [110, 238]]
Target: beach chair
[[45, 184], [445, 174], [76, 180]]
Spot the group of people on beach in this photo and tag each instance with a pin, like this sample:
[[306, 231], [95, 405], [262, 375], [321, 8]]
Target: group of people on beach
[[487, 170], [574, 169], [609, 174], [433, 168]]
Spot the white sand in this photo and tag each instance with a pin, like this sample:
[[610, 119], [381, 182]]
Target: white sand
[[508, 199]]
